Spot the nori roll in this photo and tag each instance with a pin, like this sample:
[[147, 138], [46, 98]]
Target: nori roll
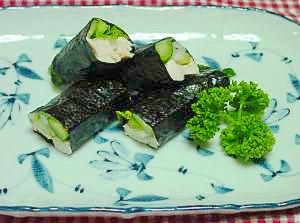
[[163, 113], [100, 47], [79, 112], [164, 62]]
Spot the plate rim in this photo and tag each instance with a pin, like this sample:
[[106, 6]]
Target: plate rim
[[140, 210], [210, 208]]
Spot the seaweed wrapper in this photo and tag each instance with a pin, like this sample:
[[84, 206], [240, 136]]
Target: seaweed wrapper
[[87, 107], [146, 70], [77, 61], [167, 110]]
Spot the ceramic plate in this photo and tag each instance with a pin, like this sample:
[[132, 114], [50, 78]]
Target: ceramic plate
[[180, 177]]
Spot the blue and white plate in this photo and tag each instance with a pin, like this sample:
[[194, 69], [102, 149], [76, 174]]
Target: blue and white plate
[[180, 177]]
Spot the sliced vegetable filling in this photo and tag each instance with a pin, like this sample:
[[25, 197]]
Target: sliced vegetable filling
[[109, 42], [177, 59], [137, 129], [52, 129], [57, 128]]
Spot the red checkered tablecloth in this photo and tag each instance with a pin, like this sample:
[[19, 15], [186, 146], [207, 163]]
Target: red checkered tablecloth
[[288, 8], [287, 216]]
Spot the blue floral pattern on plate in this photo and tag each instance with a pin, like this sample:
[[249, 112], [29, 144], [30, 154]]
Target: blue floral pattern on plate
[[297, 139], [10, 103], [121, 163], [291, 98], [124, 200], [284, 168], [273, 115], [40, 172], [130, 173]]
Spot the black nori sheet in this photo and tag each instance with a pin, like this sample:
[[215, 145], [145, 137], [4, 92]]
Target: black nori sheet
[[87, 107], [167, 110], [146, 70], [77, 61]]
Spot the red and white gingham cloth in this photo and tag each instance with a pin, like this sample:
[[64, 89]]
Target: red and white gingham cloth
[[288, 8], [287, 216]]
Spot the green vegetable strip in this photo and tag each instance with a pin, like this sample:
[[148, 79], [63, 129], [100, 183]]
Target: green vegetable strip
[[132, 120], [169, 48], [57, 127], [164, 49], [101, 29]]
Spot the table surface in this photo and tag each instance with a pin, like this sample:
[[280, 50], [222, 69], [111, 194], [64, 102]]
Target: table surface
[[287, 8]]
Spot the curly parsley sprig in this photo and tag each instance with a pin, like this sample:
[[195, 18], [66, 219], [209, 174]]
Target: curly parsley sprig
[[240, 106]]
